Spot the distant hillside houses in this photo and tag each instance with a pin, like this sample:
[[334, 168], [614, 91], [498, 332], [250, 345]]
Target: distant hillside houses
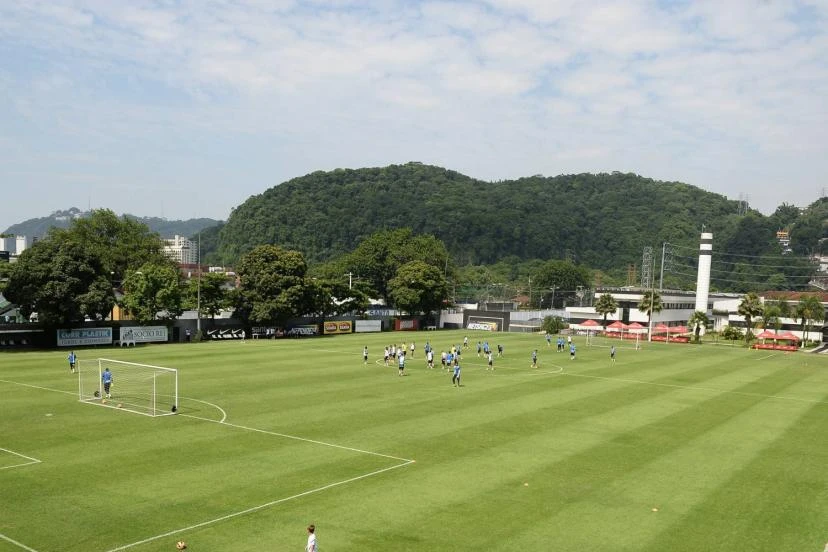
[[11, 246]]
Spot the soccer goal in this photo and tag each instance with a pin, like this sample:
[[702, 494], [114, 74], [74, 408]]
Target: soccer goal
[[139, 388]]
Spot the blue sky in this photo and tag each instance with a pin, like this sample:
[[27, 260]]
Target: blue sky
[[186, 108]]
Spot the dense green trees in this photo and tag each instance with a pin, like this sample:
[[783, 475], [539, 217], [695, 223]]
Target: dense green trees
[[808, 310], [418, 288], [154, 292], [273, 286], [597, 220], [69, 275], [210, 291]]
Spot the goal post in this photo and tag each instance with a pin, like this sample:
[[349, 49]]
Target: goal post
[[140, 388]]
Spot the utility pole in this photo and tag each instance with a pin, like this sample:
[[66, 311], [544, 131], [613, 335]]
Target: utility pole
[[350, 279], [198, 295], [530, 292], [661, 277]]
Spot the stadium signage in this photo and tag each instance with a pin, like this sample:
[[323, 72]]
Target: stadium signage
[[338, 327], [486, 326], [84, 336], [368, 326], [144, 334], [303, 330]]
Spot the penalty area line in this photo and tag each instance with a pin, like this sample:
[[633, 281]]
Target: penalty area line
[[29, 458], [256, 508], [15, 543]]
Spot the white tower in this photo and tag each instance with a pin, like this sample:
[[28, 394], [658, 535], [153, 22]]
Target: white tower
[[703, 280]]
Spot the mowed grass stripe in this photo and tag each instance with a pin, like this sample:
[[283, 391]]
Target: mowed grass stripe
[[523, 405], [562, 464], [776, 502], [676, 482]]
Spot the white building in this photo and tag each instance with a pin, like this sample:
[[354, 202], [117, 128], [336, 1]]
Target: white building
[[181, 250], [22, 244], [8, 244]]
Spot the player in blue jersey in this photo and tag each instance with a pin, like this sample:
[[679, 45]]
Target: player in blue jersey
[[571, 351], [72, 360], [455, 377], [548, 339], [106, 379]]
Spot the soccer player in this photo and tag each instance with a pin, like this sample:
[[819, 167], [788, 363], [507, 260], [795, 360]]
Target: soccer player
[[311, 546], [535, 358], [612, 353], [386, 355], [499, 350], [548, 339], [491, 361], [443, 357], [486, 348], [365, 355], [106, 379], [430, 359], [72, 360], [412, 349], [571, 351], [479, 348], [455, 377], [466, 342], [401, 363]]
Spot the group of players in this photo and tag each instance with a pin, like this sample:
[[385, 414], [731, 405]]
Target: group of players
[[449, 359]]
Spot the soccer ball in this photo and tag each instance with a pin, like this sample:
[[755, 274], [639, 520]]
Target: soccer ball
[[181, 545]]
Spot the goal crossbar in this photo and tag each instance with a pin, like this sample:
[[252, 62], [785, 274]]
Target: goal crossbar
[[140, 388]]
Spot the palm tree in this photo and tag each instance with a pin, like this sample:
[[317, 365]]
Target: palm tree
[[606, 305], [750, 307], [809, 309], [698, 320], [650, 303], [770, 316]]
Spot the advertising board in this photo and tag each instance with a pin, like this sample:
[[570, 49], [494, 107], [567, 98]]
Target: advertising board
[[337, 327], [298, 331], [77, 337], [144, 334], [362, 326]]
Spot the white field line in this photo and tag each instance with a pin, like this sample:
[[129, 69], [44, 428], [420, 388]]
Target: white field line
[[257, 508], [14, 542], [766, 357], [294, 437], [29, 458]]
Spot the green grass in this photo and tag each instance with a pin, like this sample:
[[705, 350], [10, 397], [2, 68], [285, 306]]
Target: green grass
[[729, 445]]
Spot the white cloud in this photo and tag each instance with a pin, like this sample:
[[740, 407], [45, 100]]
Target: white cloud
[[240, 95]]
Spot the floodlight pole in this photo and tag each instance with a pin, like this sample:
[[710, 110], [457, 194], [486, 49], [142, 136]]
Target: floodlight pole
[[661, 277]]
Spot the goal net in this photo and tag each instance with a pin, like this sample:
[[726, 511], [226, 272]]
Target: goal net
[[139, 388]]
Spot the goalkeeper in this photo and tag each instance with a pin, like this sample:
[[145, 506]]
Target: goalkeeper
[[106, 379]]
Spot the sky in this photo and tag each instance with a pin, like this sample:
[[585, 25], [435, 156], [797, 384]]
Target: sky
[[185, 108]]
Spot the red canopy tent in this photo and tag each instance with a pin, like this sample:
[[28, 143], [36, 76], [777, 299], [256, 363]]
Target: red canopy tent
[[677, 329], [788, 336], [768, 334], [661, 328], [617, 326]]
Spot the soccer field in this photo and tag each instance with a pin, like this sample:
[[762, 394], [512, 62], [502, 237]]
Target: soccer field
[[671, 448]]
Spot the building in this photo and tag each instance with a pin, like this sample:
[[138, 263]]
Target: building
[[181, 250]]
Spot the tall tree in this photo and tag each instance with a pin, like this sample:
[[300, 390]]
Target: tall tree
[[606, 305], [273, 287], [697, 321], [378, 257], [418, 288], [154, 292], [211, 292], [62, 281], [650, 303], [750, 308], [770, 316]]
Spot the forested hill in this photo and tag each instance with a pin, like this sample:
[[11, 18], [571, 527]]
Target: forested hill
[[602, 220], [38, 227]]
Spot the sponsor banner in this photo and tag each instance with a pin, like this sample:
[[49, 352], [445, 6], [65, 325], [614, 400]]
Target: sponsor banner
[[338, 327], [406, 324], [84, 336], [309, 329], [368, 326], [382, 312], [486, 326], [144, 334]]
